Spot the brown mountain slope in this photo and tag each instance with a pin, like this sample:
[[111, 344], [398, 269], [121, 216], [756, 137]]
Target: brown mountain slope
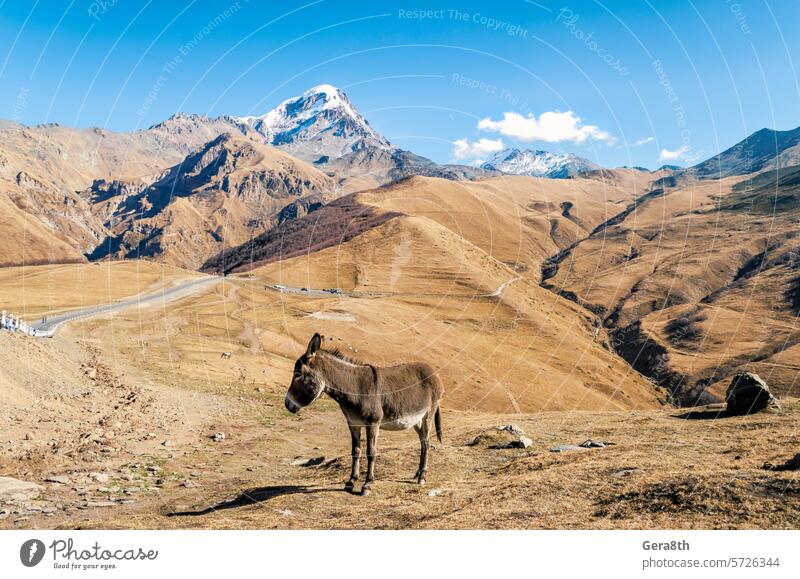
[[697, 282], [28, 240], [520, 221], [43, 167], [221, 195]]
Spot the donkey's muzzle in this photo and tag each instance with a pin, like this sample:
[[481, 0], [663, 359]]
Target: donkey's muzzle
[[291, 405]]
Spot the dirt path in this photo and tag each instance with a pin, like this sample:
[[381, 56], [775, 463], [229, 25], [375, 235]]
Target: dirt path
[[499, 291]]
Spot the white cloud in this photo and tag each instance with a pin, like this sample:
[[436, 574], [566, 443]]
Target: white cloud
[[644, 141], [463, 149], [667, 155], [551, 126]]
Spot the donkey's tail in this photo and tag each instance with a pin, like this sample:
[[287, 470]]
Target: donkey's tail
[[437, 418]]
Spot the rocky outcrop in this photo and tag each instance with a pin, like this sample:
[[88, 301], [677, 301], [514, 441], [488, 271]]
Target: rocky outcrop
[[747, 394], [222, 195]]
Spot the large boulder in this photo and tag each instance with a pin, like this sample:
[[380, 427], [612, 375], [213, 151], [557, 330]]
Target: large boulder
[[747, 394], [502, 437]]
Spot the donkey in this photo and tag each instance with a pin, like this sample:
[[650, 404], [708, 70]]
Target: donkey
[[371, 397]]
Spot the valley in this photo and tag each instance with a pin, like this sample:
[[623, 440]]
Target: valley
[[138, 421]]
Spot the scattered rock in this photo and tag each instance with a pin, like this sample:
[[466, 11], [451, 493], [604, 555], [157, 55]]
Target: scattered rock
[[592, 444], [61, 479], [190, 484], [791, 464], [623, 473], [306, 462], [166, 443], [12, 489], [566, 448], [29, 436], [99, 477], [747, 394], [101, 503], [218, 437], [286, 513], [435, 492]]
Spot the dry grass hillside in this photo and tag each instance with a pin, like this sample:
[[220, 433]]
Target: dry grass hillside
[[497, 354], [424, 291], [33, 291], [27, 240], [521, 221]]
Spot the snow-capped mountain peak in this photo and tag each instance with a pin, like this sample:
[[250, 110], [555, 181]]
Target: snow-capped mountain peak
[[538, 163], [320, 122]]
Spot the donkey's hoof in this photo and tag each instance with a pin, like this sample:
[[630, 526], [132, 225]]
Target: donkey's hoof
[[421, 481], [349, 486], [365, 491]]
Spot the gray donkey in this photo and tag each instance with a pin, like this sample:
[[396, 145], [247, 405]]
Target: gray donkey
[[372, 397]]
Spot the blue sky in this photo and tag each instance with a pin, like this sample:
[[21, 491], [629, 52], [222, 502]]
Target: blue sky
[[622, 83]]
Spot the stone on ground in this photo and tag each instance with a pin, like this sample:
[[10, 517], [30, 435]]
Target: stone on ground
[[12, 489]]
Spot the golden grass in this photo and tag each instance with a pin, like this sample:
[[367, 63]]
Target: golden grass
[[31, 291]]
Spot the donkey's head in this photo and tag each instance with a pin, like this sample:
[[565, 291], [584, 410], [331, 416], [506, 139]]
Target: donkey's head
[[307, 383]]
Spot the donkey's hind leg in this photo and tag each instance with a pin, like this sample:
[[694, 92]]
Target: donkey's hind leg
[[423, 430], [355, 438]]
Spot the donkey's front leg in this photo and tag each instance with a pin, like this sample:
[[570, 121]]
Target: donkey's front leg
[[372, 452], [355, 438]]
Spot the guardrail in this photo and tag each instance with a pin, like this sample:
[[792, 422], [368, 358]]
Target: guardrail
[[16, 324]]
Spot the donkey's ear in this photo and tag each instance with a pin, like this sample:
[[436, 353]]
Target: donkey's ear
[[314, 345]]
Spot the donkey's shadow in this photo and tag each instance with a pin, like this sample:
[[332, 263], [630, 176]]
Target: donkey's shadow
[[253, 497]]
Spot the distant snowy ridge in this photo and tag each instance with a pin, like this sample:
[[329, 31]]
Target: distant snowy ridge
[[538, 163]]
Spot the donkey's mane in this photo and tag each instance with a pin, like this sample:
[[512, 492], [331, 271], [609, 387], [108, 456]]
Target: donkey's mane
[[337, 353]]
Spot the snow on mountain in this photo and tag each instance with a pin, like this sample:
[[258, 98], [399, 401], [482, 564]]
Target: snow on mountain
[[538, 163], [322, 122]]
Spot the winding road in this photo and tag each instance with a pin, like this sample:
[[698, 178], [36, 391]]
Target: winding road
[[47, 327]]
